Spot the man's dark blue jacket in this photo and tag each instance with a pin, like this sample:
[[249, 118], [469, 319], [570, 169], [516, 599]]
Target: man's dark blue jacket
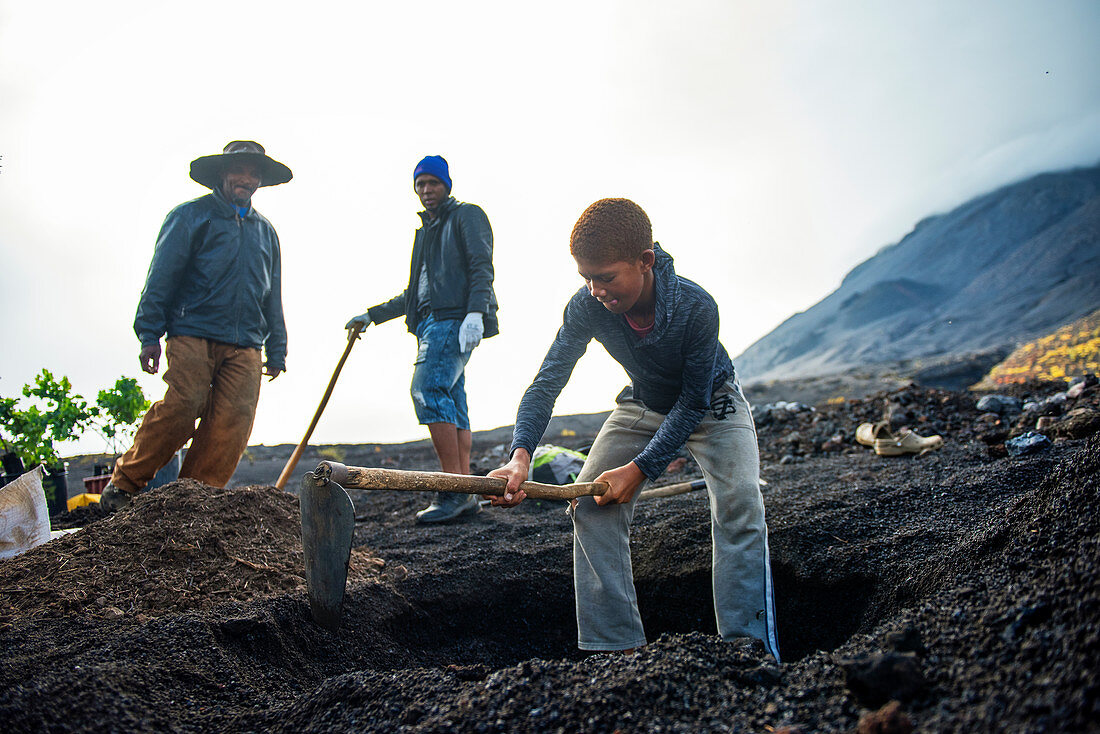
[[215, 275]]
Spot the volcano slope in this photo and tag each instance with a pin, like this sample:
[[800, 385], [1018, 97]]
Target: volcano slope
[[961, 585]]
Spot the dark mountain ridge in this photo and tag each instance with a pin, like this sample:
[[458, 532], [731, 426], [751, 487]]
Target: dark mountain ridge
[[1002, 268]]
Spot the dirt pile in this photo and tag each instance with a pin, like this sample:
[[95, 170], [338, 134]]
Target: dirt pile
[[964, 585], [972, 609], [182, 547]]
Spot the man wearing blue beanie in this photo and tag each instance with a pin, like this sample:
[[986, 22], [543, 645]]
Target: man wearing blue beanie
[[449, 304], [433, 165]]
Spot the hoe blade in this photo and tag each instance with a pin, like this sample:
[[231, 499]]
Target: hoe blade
[[328, 523]]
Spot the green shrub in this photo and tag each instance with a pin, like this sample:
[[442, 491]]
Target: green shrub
[[56, 415]]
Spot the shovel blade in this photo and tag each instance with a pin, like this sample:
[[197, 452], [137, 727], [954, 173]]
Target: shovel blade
[[328, 524]]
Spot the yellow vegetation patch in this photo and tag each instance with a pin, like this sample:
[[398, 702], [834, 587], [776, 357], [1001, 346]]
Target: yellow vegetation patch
[[1072, 350]]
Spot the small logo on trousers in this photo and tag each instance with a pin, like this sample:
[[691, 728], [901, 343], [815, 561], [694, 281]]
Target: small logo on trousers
[[722, 406]]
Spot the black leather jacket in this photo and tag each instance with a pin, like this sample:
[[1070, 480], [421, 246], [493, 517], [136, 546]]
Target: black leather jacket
[[460, 269], [216, 276]]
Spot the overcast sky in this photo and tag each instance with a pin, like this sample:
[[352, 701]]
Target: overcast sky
[[775, 145]]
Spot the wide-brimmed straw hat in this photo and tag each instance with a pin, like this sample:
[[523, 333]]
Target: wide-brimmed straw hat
[[208, 169]]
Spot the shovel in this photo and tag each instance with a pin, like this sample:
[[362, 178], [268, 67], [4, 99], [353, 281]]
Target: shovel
[[328, 518]]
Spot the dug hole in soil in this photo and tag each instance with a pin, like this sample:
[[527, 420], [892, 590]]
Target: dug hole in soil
[[955, 591]]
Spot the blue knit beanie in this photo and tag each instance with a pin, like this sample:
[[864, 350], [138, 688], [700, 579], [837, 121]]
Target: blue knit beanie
[[435, 165]]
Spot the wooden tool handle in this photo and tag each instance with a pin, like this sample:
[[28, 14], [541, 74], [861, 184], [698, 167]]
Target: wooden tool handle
[[353, 335], [354, 477], [671, 490]]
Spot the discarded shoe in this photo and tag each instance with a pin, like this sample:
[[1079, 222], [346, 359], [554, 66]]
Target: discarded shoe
[[868, 432], [448, 506], [906, 442], [113, 499]]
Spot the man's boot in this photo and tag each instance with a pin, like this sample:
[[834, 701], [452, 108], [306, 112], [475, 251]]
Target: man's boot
[[114, 499], [449, 506]]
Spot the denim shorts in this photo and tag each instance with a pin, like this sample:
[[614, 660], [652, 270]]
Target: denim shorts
[[439, 380]]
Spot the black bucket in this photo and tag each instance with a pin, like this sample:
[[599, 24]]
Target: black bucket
[[13, 465], [13, 468], [56, 486]]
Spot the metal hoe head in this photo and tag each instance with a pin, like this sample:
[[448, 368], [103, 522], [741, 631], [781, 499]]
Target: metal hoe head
[[328, 524]]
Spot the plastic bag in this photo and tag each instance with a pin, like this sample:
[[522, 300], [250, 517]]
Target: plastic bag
[[556, 465]]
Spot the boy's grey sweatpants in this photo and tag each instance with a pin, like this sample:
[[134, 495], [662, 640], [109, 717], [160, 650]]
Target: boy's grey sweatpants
[[724, 445]]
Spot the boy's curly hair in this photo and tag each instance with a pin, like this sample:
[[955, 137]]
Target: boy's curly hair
[[611, 230]]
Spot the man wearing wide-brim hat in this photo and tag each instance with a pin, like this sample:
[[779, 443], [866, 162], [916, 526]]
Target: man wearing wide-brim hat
[[214, 290]]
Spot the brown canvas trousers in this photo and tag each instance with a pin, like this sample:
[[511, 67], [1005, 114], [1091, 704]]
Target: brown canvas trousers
[[217, 385]]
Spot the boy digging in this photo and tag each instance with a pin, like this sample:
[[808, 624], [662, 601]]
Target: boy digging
[[663, 330]]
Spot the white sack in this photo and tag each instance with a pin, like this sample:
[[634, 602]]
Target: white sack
[[24, 518]]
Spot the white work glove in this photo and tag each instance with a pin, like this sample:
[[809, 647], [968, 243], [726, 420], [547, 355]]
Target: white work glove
[[363, 320], [471, 331]]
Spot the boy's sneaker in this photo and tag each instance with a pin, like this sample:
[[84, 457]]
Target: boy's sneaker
[[448, 506], [113, 499]]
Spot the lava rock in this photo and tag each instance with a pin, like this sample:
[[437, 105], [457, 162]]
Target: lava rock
[[1080, 385], [760, 416], [879, 677], [1028, 443], [889, 719], [1000, 404], [1078, 423], [1052, 405]]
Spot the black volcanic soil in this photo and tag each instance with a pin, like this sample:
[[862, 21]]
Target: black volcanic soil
[[964, 585]]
